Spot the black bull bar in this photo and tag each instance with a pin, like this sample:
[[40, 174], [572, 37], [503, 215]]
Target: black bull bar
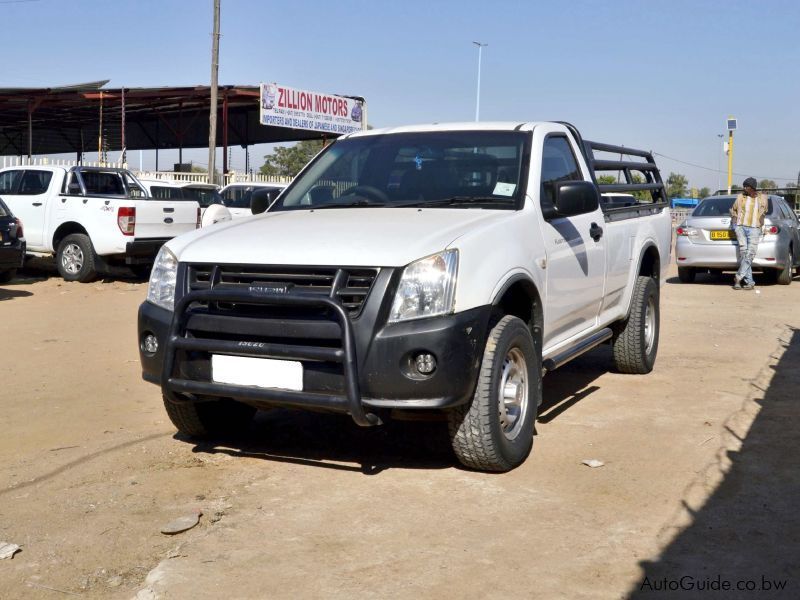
[[346, 355]]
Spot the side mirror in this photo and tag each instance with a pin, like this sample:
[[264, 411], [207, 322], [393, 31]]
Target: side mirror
[[575, 198], [260, 200]]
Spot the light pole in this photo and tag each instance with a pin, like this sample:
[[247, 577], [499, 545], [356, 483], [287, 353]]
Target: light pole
[[721, 137], [478, 98]]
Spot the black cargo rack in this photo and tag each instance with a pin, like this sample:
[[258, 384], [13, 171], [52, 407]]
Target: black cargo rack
[[649, 171]]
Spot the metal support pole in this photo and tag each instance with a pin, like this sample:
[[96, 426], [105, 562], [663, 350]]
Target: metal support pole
[[100, 132], [124, 154], [730, 160], [30, 130], [212, 117], [224, 135]]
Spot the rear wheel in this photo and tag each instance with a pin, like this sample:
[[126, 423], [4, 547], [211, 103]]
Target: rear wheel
[[494, 432], [785, 275], [75, 258], [207, 419], [635, 342], [686, 274], [6, 276]]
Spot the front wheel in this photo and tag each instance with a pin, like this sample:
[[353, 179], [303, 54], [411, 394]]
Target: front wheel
[[210, 418], [635, 342], [75, 258], [494, 432]]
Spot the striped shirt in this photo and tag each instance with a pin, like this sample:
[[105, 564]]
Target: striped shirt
[[748, 211]]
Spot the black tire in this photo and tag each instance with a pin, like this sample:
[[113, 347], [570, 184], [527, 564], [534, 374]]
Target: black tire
[[784, 276], [484, 435], [686, 274], [6, 276], [635, 341], [75, 258], [208, 419]]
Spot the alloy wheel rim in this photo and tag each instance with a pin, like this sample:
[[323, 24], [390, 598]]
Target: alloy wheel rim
[[513, 393], [72, 259], [649, 325]]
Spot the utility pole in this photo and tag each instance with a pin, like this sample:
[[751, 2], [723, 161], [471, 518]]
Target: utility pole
[[731, 128], [478, 96], [212, 117]]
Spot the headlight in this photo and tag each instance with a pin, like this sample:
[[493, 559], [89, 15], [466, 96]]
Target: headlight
[[427, 288], [161, 289]]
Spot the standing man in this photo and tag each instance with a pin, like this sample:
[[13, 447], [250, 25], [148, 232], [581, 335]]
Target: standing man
[[747, 214]]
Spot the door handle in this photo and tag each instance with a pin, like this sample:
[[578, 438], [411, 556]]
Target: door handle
[[37, 203], [168, 210], [596, 232]]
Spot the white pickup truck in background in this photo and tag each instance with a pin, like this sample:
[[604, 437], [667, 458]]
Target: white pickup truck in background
[[92, 218], [431, 268]]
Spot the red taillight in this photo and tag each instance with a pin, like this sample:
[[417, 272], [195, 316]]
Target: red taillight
[[773, 229], [197, 224], [126, 219], [20, 234], [681, 231]]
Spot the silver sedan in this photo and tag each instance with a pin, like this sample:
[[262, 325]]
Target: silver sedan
[[707, 242]]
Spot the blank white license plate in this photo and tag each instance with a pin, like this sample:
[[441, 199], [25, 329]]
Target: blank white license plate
[[259, 372]]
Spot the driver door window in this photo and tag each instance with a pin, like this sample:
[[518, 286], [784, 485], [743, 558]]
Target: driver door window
[[558, 164]]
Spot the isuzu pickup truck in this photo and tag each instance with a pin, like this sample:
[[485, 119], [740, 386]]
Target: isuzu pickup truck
[[432, 268], [92, 218]]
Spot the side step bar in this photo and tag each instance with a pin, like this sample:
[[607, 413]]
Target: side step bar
[[586, 344]]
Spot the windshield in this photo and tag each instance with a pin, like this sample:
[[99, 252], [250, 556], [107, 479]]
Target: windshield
[[238, 196], [205, 196], [480, 169], [720, 207]]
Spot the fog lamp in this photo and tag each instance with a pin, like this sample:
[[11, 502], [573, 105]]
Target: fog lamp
[[150, 343], [425, 363]]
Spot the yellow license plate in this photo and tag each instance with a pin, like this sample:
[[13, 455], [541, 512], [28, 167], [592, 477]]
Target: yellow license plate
[[725, 234]]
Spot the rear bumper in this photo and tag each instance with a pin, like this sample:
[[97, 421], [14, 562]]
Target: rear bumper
[[143, 251], [12, 256], [370, 370], [726, 256]]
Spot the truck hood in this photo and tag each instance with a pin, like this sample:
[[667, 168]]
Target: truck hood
[[380, 237]]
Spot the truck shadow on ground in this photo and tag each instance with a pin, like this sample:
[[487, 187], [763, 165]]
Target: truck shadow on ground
[[44, 268], [748, 530], [335, 442], [6, 294]]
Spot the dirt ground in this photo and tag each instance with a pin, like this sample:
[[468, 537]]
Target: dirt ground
[[700, 481]]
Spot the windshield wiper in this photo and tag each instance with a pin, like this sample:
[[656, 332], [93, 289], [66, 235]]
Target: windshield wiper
[[453, 200], [362, 202]]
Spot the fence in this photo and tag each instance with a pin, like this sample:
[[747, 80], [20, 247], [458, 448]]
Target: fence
[[229, 177]]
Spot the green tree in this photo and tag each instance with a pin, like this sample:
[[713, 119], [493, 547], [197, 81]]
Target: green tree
[[704, 193], [677, 185], [767, 184], [606, 179], [286, 161]]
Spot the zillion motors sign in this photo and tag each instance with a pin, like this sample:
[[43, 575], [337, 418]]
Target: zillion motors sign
[[283, 106]]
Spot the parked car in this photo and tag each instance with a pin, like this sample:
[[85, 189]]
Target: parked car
[[706, 241], [431, 268], [207, 196], [237, 196], [12, 244], [91, 218]]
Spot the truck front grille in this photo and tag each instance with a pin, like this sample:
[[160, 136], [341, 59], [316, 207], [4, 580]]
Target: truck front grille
[[349, 285]]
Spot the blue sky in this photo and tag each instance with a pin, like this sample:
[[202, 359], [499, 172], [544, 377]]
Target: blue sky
[[660, 75]]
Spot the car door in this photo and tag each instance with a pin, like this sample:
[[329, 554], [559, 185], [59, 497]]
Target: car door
[[575, 271], [28, 200]]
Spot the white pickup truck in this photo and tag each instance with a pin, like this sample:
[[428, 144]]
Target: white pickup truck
[[431, 268], [92, 218]]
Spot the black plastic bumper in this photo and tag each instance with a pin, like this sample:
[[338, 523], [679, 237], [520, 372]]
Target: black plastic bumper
[[372, 368], [12, 256], [143, 251]]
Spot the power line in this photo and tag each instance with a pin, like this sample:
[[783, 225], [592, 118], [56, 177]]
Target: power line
[[683, 162]]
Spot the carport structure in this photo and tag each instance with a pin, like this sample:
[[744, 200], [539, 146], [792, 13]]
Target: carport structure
[[89, 117]]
